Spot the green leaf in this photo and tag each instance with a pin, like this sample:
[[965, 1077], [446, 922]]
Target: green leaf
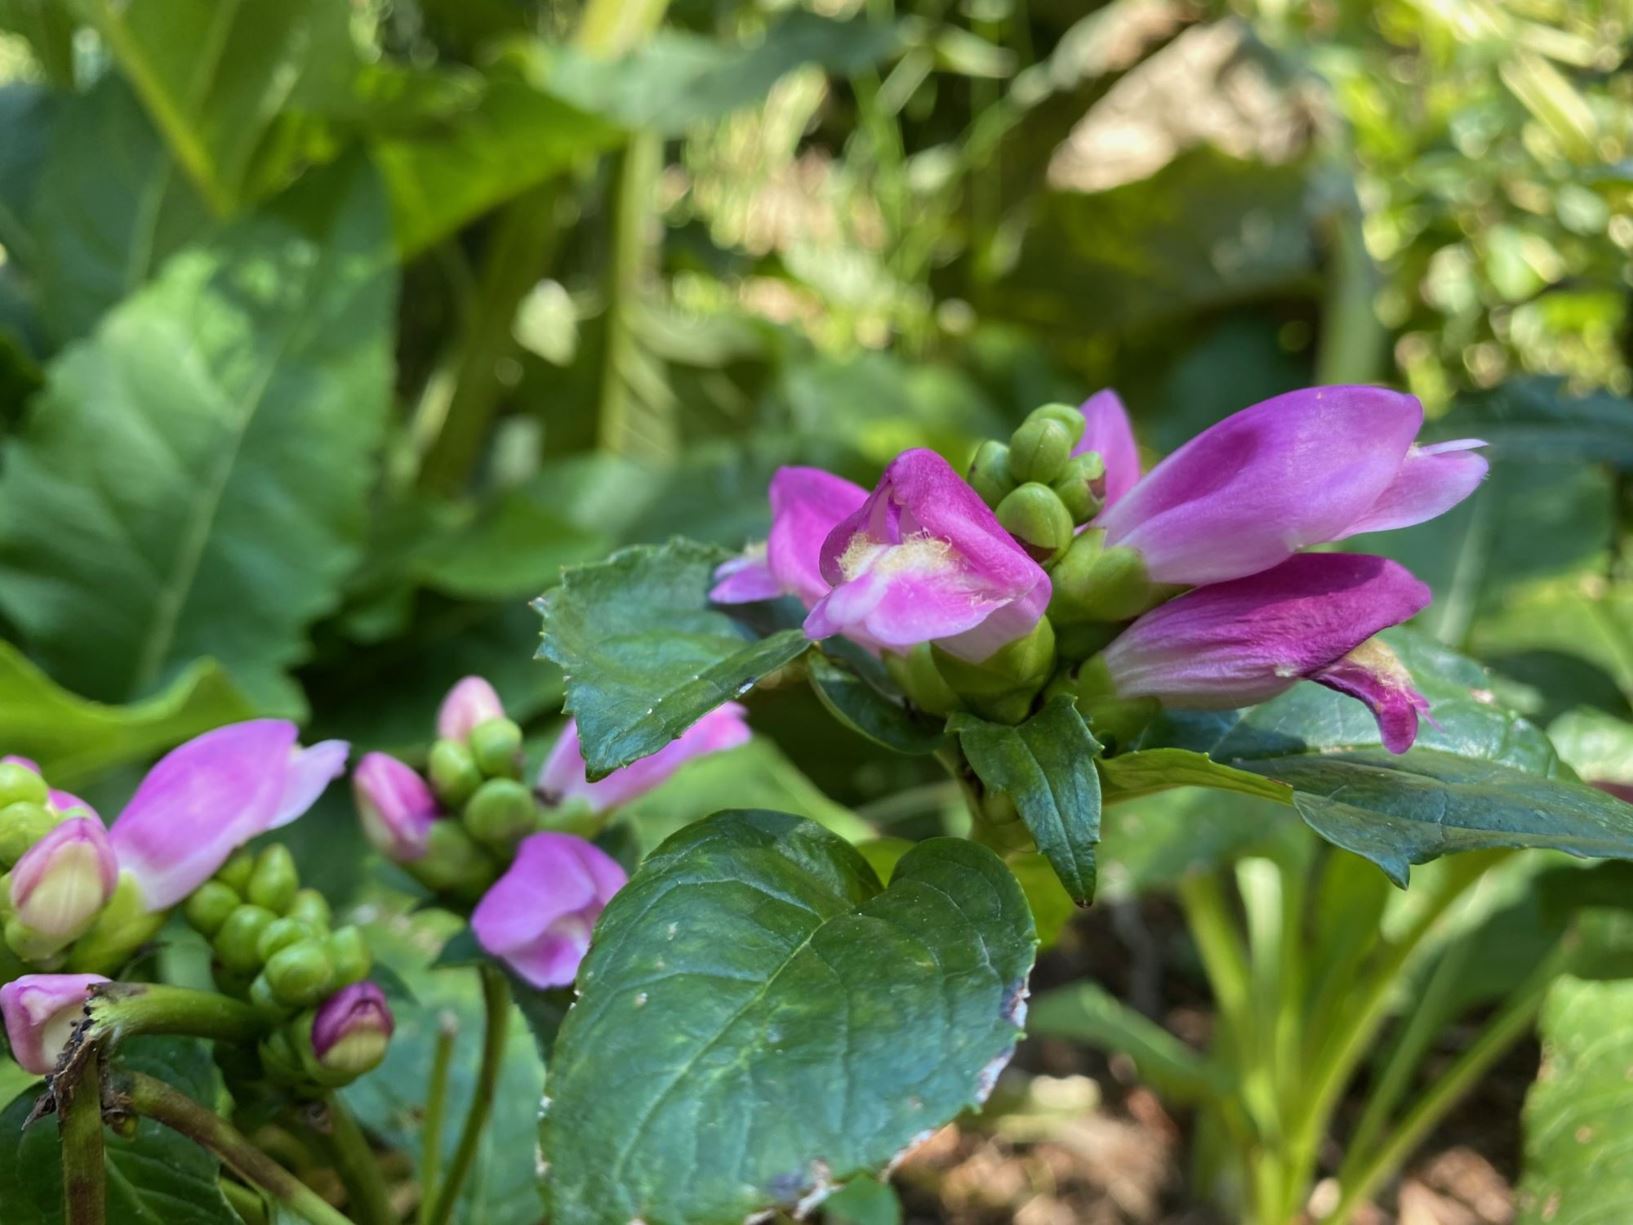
[[192, 481], [512, 138], [742, 1035], [1580, 1110], [28, 116], [156, 1175], [863, 706], [1046, 766], [1088, 1013], [645, 654], [110, 207], [1140, 773], [676, 80], [1539, 420], [866, 1201], [214, 76], [72, 738]]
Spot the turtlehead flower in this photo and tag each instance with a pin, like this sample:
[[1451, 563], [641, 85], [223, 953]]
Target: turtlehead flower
[[59, 887], [1108, 434], [538, 916], [1300, 469], [351, 1030], [563, 776], [395, 805], [205, 799], [1245, 641], [41, 1011], [806, 504], [924, 559], [469, 704]]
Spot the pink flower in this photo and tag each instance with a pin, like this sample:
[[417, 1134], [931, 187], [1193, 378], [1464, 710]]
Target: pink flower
[[395, 805], [925, 560], [806, 504], [469, 704], [205, 799], [1297, 470], [563, 776], [351, 1030], [1108, 434], [1243, 642], [538, 916], [41, 1011], [61, 884]]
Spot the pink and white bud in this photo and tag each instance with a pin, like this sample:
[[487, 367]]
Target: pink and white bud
[[537, 917], [469, 704], [563, 776], [395, 806], [41, 1011], [1108, 434], [61, 884], [352, 1029]]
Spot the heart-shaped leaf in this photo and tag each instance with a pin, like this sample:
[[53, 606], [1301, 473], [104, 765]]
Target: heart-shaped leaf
[[759, 1021]]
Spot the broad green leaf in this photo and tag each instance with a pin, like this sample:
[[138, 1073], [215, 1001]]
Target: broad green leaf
[[72, 738], [1599, 747], [645, 654], [48, 27], [866, 1201], [1580, 1110], [1046, 767], [512, 138], [157, 1175], [28, 116], [759, 1022], [1151, 843], [1539, 420], [676, 80], [192, 481], [1143, 772], [861, 705], [110, 207], [214, 75]]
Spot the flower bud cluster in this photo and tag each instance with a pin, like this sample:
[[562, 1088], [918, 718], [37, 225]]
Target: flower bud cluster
[[331, 1045], [1042, 485], [59, 870], [272, 940]]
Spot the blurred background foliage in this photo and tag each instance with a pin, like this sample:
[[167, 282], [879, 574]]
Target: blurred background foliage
[[331, 329]]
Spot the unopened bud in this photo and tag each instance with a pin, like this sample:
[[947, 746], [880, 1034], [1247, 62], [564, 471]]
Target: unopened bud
[[301, 974], [265, 1000], [22, 824], [1002, 686], [1069, 416], [236, 943], [453, 771], [123, 927], [350, 1032], [59, 887], [920, 681], [1076, 485], [497, 748], [280, 934], [41, 1011], [989, 472], [394, 804], [310, 907], [235, 873], [209, 906], [1039, 449], [1094, 583], [350, 956], [454, 863], [20, 785], [469, 704], [274, 880], [1115, 720], [1035, 516], [501, 813]]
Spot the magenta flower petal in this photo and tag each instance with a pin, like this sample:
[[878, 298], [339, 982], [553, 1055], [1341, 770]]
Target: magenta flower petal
[[41, 1011], [563, 775], [395, 806], [806, 504], [469, 704], [1108, 433], [310, 771], [925, 560], [1372, 673], [1246, 493], [64, 880], [1245, 641], [538, 916], [1430, 481]]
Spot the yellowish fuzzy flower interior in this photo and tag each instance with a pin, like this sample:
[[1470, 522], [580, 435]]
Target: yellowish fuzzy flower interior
[[921, 553]]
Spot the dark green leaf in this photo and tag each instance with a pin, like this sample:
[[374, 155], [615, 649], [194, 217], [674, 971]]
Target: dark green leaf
[[1539, 420], [862, 706], [645, 654], [28, 116], [1046, 766], [1142, 772], [739, 1040], [866, 1201], [192, 481]]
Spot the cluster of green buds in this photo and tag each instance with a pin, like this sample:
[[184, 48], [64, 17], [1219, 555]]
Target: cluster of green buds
[[1040, 490], [59, 868], [272, 940], [331, 1045], [478, 778]]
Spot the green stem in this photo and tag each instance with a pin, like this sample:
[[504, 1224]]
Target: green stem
[[120, 1010], [609, 28], [84, 1176], [496, 1005], [1504, 1030], [436, 1106], [1351, 347], [245, 1201], [635, 172], [156, 1100], [354, 1160]]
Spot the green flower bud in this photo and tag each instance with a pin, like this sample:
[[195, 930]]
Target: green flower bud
[[209, 906], [301, 974], [1069, 416], [1003, 686], [1039, 449], [22, 824], [1075, 485], [236, 943], [20, 785], [497, 747], [280, 934], [1114, 720], [124, 926], [921, 682], [989, 472], [454, 863], [501, 813], [279, 1058], [274, 880], [1035, 516], [310, 907], [1094, 583], [265, 1000], [350, 956], [453, 772], [235, 873]]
